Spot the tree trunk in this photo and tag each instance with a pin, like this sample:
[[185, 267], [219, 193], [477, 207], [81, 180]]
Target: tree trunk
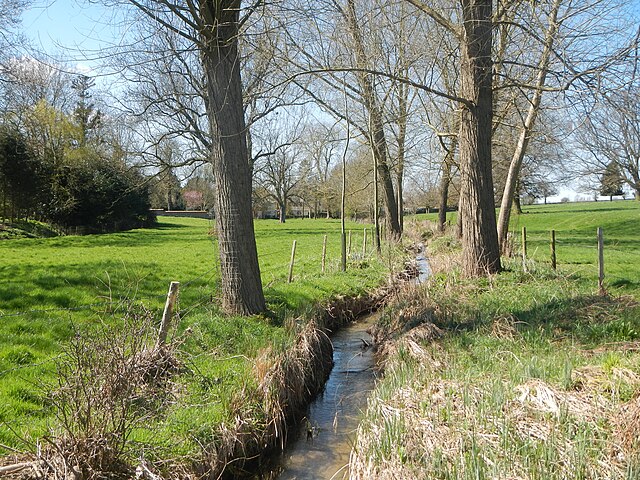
[[282, 215], [481, 255], [376, 124], [518, 205], [402, 140], [459, 221], [400, 193], [445, 181], [527, 128], [240, 273]]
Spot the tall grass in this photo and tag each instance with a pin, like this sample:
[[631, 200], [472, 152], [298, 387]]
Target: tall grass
[[527, 374]]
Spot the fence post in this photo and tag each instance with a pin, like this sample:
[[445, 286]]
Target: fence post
[[168, 312], [601, 261], [324, 252], [364, 243], [524, 248], [553, 249], [349, 245], [293, 258]]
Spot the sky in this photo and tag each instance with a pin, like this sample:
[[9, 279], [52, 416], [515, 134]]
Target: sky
[[74, 30]]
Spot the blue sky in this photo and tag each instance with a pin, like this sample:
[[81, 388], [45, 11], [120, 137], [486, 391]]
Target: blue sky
[[72, 29]]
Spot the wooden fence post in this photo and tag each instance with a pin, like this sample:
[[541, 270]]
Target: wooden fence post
[[553, 249], [601, 261], [524, 248], [293, 258], [168, 312], [324, 252], [364, 243], [349, 245]]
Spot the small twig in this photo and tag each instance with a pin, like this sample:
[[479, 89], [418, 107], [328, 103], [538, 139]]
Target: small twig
[[9, 469]]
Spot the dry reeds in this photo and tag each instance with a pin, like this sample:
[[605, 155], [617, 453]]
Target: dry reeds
[[286, 383]]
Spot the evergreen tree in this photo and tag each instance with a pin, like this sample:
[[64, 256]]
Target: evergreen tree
[[611, 182], [85, 113]]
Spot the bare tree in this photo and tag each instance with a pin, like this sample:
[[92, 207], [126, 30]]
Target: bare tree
[[280, 170], [213, 27], [611, 136], [333, 48]]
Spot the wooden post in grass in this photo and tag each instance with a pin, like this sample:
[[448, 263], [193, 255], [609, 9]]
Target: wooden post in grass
[[524, 248], [324, 252], [349, 244], [553, 249], [364, 243], [293, 258], [601, 261], [168, 312]]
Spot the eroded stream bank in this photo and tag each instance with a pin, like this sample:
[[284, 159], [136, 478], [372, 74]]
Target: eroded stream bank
[[321, 446]]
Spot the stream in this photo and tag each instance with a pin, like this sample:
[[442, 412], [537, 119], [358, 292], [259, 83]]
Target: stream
[[322, 446], [320, 449]]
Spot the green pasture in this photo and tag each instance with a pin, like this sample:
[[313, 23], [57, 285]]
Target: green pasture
[[576, 240], [53, 287]]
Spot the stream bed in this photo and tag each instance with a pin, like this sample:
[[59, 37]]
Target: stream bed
[[321, 448]]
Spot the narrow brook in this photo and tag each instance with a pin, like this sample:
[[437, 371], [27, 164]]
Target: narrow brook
[[321, 448]]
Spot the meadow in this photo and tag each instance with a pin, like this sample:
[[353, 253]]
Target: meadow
[[54, 288], [528, 374], [576, 225]]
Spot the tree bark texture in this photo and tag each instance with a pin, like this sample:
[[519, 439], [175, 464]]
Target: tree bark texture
[[445, 181], [527, 129], [481, 255], [376, 124], [240, 273]]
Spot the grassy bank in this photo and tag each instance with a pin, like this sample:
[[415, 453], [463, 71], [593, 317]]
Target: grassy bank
[[96, 284], [526, 375]]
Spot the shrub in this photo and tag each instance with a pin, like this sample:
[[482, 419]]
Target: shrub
[[100, 196]]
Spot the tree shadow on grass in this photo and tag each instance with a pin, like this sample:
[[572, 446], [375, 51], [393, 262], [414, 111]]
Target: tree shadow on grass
[[588, 319]]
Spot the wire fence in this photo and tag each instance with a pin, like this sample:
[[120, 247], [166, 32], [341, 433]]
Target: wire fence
[[598, 256]]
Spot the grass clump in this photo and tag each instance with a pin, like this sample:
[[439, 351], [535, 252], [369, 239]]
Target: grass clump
[[525, 374], [480, 392]]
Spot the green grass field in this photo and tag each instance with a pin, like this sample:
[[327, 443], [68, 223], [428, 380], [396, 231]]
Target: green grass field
[[50, 288], [532, 375], [576, 241]]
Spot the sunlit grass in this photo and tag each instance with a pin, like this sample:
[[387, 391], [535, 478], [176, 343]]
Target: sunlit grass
[[52, 287], [576, 240], [532, 374]]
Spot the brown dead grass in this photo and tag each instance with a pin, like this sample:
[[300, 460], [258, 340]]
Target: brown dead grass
[[443, 418]]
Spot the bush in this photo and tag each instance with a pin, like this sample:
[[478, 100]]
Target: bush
[[109, 382], [100, 196], [22, 176]]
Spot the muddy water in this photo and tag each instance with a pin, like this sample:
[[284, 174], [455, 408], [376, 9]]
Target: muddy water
[[321, 450]]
